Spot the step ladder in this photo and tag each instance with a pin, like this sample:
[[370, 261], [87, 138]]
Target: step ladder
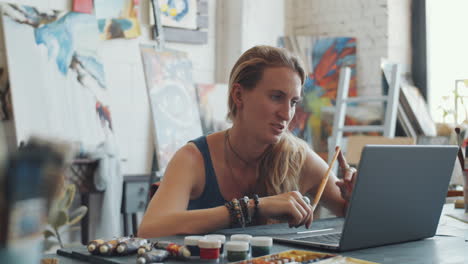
[[342, 100]]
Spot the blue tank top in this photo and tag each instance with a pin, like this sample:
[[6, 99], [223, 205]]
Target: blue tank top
[[211, 195]]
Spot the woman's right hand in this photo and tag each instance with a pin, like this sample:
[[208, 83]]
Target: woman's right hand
[[288, 206]]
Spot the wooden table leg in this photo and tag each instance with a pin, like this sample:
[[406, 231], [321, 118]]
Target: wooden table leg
[[85, 220]]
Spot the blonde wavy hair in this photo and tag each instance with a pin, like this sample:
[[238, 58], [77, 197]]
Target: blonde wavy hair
[[280, 166]]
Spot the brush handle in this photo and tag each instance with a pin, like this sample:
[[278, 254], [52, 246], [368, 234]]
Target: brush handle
[[325, 180]]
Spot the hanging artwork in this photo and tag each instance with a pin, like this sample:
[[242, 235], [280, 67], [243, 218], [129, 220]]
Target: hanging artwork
[[83, 6], [323, 58], [179, 13], [212, 101], [57, 80], [117, 18], [173, 101]]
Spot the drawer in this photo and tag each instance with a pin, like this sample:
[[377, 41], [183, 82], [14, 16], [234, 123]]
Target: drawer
[[135, 197]]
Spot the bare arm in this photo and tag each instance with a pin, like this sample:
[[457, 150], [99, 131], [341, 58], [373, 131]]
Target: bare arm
[[167, 212], [313, 171]]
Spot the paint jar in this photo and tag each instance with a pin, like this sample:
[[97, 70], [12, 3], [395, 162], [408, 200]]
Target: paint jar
[[242, 237], [237, 250], [191, 242], [209, 248], [261, 246], [221, 238]]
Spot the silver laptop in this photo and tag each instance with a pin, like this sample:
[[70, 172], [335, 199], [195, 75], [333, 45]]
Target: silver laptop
[[398, 197]]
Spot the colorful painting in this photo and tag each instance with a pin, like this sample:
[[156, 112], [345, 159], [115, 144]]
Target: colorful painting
[[179, 13], [83, 6], [117, 18], [56, 76], [323, 58], [212, 101], [173, 101]]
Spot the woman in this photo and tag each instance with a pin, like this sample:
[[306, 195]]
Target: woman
[[205, 182]]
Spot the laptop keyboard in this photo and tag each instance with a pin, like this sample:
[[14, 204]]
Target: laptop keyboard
[[333, 238]]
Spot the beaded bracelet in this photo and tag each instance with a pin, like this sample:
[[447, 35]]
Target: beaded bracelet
[[239, 215], [256, 202], [232, 213], [239, 211], [244, 201]]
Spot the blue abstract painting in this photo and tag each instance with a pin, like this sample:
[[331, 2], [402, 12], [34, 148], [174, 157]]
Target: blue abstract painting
[[179, 13], [57, 78]]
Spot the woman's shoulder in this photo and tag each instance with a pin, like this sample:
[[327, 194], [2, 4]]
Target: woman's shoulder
[[194, 149]]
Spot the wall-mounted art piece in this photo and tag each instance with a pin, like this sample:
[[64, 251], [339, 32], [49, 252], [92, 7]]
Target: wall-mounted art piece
[[212, 102], [117, 18], [83, 6], [57, 79], [323, 57], [178, 13], [173, 101], [184, 21]]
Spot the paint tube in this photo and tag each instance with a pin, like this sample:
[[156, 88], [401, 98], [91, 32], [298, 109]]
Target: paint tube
[[93, 245], [144, 248], [130, 246], [157, 255], [109, 247], [174, 249]]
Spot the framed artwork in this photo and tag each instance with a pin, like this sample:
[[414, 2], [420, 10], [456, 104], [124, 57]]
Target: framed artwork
[[173, 101], [178, 13], [183, 21], [57, 80], [117, 18]]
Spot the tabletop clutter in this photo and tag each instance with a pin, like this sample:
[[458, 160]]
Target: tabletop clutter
[[241, 249]]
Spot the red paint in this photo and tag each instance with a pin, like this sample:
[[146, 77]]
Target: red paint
[[209, 253]]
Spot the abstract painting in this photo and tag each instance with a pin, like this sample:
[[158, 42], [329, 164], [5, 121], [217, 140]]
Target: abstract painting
[[179, 13], [173, 101], [323, 58], [56, 77], [212, 101], [117, 18], [83, 6]]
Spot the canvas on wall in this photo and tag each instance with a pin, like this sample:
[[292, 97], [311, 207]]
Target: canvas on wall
[[212, 101], [178, 13], [57, 80], [117, 18], [173, 101], [323, 57]]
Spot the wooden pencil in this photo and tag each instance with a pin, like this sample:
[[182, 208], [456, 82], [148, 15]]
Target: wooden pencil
[[318, 195]]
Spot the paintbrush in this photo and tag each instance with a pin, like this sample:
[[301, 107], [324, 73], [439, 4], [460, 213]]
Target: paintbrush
[[460, 153], [325, 179]]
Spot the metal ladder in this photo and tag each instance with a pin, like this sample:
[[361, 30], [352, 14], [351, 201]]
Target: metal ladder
[[342, 100]]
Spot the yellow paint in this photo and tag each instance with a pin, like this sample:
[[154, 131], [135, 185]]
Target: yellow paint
[[173, 12]]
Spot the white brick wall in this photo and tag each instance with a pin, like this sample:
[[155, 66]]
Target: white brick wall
[[366, 20], [242, 24]]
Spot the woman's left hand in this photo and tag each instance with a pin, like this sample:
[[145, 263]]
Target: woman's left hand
[[349, 173]]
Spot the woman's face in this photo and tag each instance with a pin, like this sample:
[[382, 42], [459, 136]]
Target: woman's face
[[269, 107]]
